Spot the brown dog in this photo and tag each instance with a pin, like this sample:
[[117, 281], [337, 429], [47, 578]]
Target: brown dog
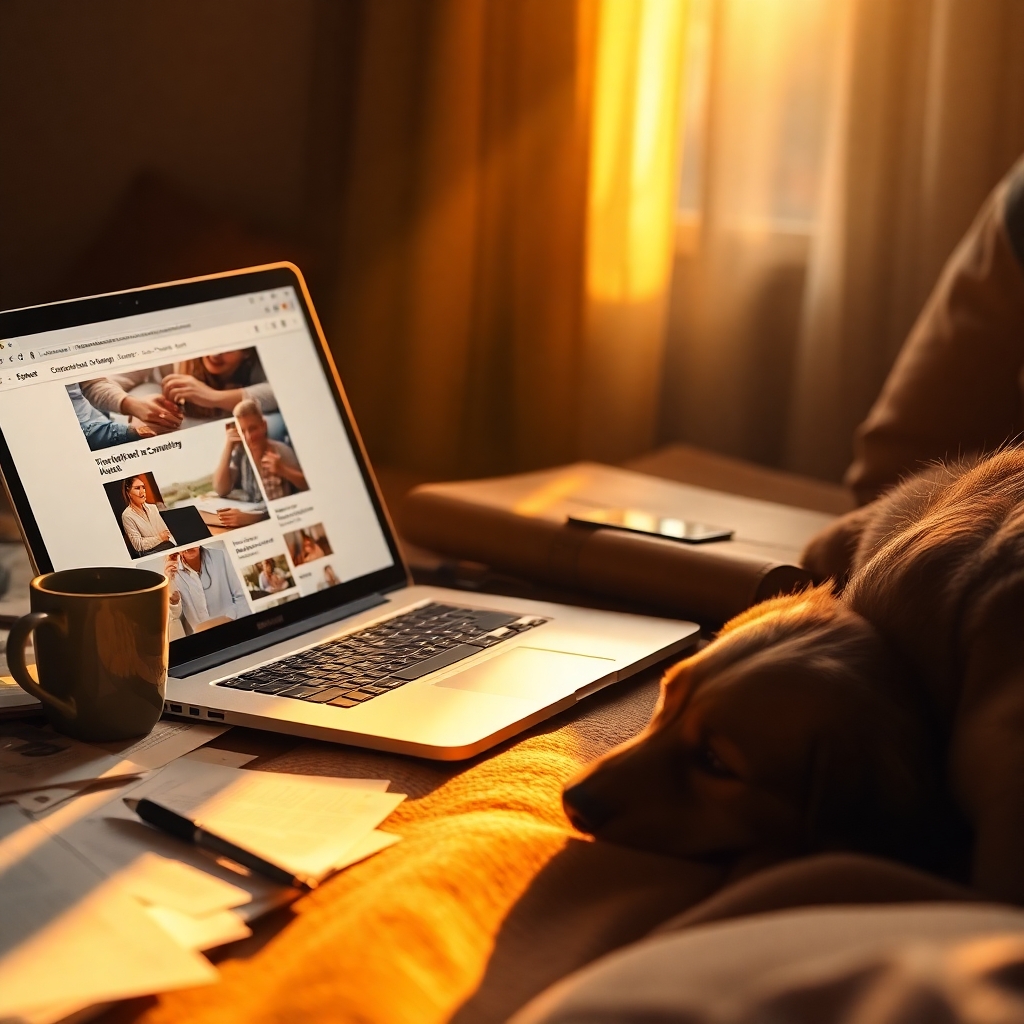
[[815, 722]]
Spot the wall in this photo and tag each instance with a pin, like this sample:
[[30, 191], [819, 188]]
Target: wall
[[215, 95]]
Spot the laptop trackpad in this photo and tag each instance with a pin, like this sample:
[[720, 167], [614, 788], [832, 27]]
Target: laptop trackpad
[[530, 674]]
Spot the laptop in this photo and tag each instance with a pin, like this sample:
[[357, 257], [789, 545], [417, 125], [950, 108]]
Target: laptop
[[200, 429]]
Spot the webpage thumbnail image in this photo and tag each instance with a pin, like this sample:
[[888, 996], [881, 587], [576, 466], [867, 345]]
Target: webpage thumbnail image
[[308, 545], [200, 491], [205, 590], [269, 577], [136, 404]]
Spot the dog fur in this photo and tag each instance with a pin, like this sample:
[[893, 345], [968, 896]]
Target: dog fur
[[823, 721]]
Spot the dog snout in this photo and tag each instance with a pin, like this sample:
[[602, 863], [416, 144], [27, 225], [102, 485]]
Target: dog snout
[[584, 808]]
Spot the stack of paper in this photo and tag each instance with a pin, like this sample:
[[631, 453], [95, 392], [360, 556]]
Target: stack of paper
[[130, 878], [39, 768], [31, 757], [69, 939], [305, 824]]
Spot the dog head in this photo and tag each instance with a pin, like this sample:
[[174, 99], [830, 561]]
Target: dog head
[[784, 736]]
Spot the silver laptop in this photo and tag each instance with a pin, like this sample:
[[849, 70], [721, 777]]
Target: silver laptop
[[199, 429]]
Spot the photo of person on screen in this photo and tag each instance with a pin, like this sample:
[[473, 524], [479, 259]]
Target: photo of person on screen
[[267, 577], [204, 589], [160, 399], [308, 544], [330, 579], [271, 579], [210, 387], [99, 429], [311, 549], [143, 525], [277, 467]]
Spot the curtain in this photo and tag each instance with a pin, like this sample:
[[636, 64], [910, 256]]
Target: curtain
[[929, 115], [631, 198], [848, 145], [504, 233], [739, 278]]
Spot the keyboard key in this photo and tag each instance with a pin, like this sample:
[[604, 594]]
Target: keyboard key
[[485, 641], [241, 683], [327, 696], [491, 620], [299, 691], [343, 702], [439, 661], [275, 687]]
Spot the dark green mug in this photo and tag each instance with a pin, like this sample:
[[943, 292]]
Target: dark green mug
[[101, 650]]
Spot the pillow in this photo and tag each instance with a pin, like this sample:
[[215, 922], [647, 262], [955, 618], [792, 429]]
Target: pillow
[[955, 386], [961, 964]]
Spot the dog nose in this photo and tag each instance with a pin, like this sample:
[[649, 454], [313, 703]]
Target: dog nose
[[584, 809]]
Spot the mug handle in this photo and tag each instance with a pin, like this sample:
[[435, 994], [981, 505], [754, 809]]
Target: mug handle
[[16, 640]]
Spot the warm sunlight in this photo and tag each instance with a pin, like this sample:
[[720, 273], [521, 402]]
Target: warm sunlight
[[634, 147]]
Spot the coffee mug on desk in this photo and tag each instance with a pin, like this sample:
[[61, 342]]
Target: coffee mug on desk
[[101, 650]]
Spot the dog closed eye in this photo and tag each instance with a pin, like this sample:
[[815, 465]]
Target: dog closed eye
[[710, 762]]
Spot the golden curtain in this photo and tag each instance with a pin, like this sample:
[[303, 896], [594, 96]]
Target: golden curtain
[[506, 230]]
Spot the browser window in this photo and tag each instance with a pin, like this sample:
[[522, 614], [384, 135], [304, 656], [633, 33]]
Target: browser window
[[202, 442]]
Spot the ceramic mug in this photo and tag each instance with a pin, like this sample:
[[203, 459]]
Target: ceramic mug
[[101, 650]]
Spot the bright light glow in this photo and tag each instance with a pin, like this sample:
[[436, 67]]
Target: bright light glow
[[634, 148]]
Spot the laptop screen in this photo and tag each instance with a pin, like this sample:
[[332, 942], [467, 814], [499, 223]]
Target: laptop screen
[[203, 440]]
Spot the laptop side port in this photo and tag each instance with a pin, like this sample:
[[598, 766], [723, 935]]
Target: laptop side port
[[215, 714]]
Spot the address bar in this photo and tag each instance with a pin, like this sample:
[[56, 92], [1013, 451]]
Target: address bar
[[83, 346]]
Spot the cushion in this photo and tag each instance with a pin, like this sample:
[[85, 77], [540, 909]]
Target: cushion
[[886, 965], [955, 386]]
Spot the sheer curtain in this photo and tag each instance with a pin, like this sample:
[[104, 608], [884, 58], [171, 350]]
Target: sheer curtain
[[752, 177], [847, 145], [928, 116]]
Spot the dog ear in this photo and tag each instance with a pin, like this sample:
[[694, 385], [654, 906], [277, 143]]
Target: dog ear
[[677, 686]]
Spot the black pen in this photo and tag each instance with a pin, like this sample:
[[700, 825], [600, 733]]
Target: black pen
[[176, 825]]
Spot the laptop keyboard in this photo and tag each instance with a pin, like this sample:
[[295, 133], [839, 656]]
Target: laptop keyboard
[[360, 666]]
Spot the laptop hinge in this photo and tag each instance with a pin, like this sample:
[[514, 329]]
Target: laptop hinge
[[258, 643]]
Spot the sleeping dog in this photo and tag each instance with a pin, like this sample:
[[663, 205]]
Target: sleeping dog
[[818, 721]]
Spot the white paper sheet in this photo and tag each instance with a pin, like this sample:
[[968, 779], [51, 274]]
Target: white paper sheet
[[301, 822], [32, 758], [214, 755], [100, 829], [38, 800], [168, 740], [69, 937], [366, 847], [198, 933], [161, 881]]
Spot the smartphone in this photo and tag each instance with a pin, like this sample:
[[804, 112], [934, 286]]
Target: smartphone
[[636, 520]]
